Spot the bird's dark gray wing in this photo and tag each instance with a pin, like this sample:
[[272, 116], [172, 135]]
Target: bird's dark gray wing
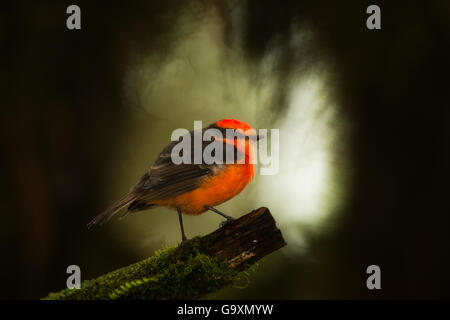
[[166, 179]]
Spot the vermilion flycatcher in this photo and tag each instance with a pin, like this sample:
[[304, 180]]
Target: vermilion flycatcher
[[193, 188]]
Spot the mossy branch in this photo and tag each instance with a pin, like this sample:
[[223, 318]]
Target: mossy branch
[[200, 266]]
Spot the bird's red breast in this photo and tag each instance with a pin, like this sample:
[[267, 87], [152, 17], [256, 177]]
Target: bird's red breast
[[213, 191]]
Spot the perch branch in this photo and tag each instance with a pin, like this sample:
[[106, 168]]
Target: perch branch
[[200, 266]]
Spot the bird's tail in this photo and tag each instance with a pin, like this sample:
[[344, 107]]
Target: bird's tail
[[112, 210]]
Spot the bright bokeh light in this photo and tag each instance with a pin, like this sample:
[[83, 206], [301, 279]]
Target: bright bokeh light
[[304, 190]]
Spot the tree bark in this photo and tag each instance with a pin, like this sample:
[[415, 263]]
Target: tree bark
[[246, 240]]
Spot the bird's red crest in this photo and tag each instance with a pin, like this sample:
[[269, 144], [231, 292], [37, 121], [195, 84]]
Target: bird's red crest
[[233, 124]]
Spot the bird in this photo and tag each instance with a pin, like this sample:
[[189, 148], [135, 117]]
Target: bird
[[193, 188]]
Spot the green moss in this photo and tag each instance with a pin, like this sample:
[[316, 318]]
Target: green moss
[[185, 272]]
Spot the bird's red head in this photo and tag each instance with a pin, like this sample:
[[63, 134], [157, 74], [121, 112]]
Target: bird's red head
[[242, 141]]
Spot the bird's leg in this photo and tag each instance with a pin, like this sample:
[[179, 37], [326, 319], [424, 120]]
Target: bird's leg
[[183, 236], [229, 219]]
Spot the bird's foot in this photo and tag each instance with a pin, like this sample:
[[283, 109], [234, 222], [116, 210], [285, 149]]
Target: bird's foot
[[226, 222], [183, 241]]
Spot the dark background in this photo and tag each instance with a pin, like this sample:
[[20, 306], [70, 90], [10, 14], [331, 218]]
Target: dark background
[[63, 113]]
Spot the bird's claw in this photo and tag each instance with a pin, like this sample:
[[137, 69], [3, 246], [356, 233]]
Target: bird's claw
[[224, 223], [183, 242]]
